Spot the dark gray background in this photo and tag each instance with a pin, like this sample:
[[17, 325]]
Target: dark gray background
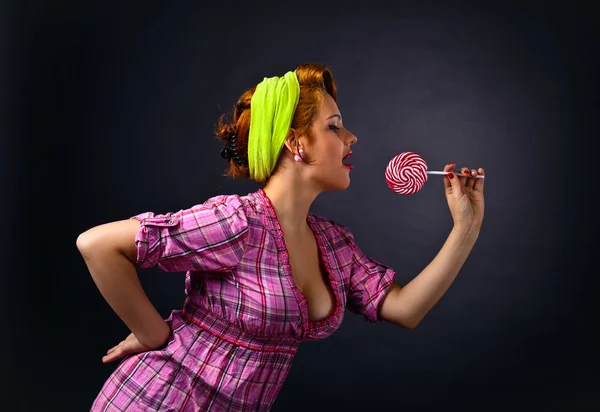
[[108, 111]]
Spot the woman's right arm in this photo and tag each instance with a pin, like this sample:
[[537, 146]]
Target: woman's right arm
[[109, 251]]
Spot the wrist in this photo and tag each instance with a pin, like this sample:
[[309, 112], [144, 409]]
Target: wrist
[[466, 231], [156, 336]]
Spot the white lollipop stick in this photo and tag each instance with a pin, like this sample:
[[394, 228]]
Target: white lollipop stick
[[432, 172]]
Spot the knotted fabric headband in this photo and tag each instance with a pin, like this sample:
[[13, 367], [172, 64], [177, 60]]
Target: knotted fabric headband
[[271, 112]]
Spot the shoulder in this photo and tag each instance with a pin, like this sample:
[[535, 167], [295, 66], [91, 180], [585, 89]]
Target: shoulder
[[227, 202], [225, 209], [247, 207], [334, 229]]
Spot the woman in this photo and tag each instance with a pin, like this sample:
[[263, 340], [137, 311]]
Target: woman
[[262, 272]]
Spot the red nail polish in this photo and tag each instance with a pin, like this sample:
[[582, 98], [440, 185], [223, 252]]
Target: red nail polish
[[451, 175]]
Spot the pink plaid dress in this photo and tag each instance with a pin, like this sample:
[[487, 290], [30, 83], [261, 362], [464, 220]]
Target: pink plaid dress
[[233, 342]]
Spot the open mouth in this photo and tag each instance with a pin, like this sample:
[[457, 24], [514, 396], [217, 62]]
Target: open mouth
[[348, 165]]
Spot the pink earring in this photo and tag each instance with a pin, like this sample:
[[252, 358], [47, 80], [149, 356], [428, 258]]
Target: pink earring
[[298, 158]]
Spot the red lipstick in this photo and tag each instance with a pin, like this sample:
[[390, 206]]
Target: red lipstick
[[348, 165]]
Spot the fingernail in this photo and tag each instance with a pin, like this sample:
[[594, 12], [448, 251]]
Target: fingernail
[[451, 175]]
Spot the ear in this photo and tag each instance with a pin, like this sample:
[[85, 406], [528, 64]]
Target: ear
[[292, 142]]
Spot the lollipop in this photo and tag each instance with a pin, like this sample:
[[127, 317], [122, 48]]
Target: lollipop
[[407, 173]]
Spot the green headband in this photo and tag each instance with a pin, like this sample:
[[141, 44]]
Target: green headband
[[271, 112]]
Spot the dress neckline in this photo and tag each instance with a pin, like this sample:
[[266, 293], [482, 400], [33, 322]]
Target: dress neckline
[[311, 327]]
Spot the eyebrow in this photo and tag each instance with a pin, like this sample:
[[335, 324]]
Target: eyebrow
[[335, 115]]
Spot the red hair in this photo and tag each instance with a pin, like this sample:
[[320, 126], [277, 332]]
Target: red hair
[[315, 80]]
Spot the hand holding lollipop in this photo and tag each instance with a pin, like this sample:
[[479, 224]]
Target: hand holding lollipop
[[407, 173]]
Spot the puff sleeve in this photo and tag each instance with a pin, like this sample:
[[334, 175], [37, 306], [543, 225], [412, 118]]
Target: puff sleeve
[[206, 237], [369, 281]]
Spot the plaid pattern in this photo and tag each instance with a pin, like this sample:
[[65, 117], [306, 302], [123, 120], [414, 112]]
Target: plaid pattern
[[233, 342]]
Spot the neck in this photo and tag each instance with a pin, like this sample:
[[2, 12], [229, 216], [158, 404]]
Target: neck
[[291, 197]]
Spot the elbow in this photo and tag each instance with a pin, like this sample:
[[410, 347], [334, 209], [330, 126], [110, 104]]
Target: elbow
[[88, 242], [409, 325], [84, 244], [406, 325], [409, 322], [104, 241], [395, 310]]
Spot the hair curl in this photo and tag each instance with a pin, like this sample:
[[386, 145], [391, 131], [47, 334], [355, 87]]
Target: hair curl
[[315, 80]]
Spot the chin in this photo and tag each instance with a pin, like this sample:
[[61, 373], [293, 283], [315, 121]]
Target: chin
[[331, 181], [341, 184], [345, 185]]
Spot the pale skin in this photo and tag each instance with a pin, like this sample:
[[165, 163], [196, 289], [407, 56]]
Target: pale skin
[[109, 250]]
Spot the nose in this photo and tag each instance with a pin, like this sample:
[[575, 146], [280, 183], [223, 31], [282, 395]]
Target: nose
[[352, 138]]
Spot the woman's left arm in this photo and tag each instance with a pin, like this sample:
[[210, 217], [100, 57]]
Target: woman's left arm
[[407, 306]]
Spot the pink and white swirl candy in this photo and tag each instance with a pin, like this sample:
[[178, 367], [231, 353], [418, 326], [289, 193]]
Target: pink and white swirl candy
[[406, 173]]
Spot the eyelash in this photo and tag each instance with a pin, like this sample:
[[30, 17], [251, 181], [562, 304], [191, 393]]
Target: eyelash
[[334, 128]]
